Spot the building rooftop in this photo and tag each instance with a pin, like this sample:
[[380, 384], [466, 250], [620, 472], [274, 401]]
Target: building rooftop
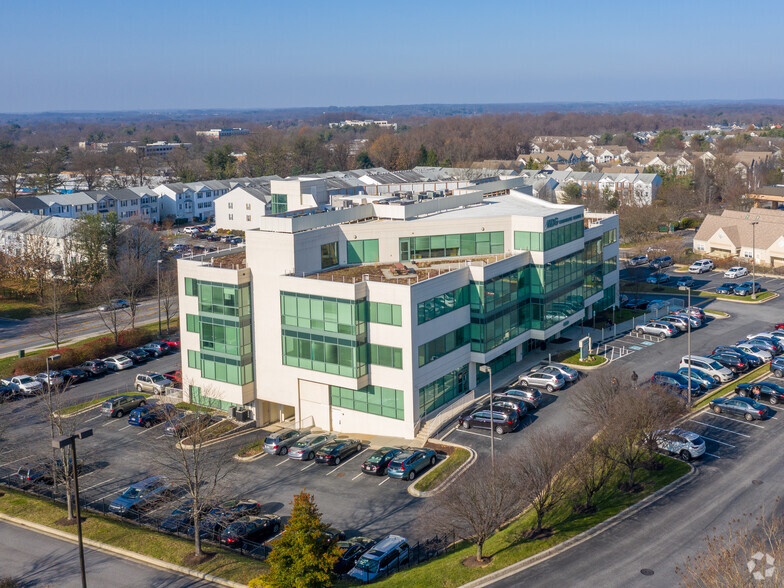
[[513, 204], [406, 272]]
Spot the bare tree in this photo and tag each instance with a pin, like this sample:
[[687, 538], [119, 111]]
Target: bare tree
[[138, 253], [591, 469], [90, 166], [169, 295], [542, 481], [477, 503], [198, 468], [14, 164], [52, 331], [105, 293], [748, 553], [598, 395]]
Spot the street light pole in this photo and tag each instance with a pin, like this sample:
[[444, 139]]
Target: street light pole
[[54, 357], [754, 260], [159, 297], [688, 342], [59, 443], [489, 371]]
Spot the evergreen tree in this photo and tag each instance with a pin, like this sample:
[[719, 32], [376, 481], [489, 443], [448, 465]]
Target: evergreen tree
[[304, 555], [432, 158], [363, 160], [422, 155]]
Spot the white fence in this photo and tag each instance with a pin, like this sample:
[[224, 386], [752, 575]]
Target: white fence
[[614, 331]]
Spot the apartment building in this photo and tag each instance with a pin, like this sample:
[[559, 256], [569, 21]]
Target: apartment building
[[221, 133], [373, 318]]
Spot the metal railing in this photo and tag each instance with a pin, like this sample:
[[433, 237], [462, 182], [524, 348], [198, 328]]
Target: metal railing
[[432, 426]]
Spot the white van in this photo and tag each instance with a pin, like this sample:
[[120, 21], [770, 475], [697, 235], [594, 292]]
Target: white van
[[710, 366], [701, 266], [385, 557]]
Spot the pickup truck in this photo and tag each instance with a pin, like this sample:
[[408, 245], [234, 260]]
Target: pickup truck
[[23, 384], [175, 376]]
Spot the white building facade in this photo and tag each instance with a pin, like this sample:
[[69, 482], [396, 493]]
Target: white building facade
[[374, 318]]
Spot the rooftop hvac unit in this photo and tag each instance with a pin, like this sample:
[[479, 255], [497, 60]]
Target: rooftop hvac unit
[[233, 412], [243, 414]]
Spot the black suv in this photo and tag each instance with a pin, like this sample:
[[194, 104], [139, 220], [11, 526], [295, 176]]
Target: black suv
[[379, 460]]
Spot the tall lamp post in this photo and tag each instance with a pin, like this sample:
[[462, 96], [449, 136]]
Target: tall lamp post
[[159, 297], [754, 260], [688, 342], [60, 443], [489, 371]]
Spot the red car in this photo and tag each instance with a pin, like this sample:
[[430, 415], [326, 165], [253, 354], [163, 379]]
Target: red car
[[175, 376], [173, 342], [779, 326]]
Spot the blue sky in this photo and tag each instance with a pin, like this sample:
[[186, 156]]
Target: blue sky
[[170, 54]]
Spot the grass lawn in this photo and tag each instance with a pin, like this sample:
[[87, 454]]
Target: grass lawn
[[94, 402], [217, 430], [441, 472], [573, 358], [251, 449], [197, 408], [730, 386], [507, 547], [602, 319], [226, 564]]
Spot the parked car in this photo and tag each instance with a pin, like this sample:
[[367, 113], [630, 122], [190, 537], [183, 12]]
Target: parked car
[[136, 355], [150, 415], [657, 328], [53, 378], [250, 529], [95, 367], [7, 392], [684, 444], [333, 452], [778, 327], [152, 383], [696, 312], [186, 425], [747, 288], [767, 390], [675, 382], [726, 288], [752, 360], [739, 406], [661, 262], [705, 381], [173, 342], [120, 405], [350, 551], [569, 374], [32, 473], [701, 266], [74, 375], [710, 366], [181, 518], [116, 304], [118, 362], [407, 464], [379, 460], [531, 397], [500, 421], [764, 343], [658, 278], [141, 495], [679, 323], [305, 449], [541, 379], [382, 559], [507, 403], [156, 348], [737, 271], [777, 366], [763, 354], [696, 322], [221, 516], [637, 260], [24, 384], [175, 376], [735, 363], [685, 282], [636, 304], [278, 443]]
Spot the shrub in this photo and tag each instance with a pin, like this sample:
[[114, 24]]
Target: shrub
[[689, 223], [99, 348], [133, 338], [31, 365]]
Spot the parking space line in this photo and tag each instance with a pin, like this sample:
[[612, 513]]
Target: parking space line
[[282, 461], [308, 466], [98, 484], [717, 441], [716, 456], [160, 436], [126, 427], [92, 419], [382, 481], [357, 476], [111, 422], [721, 429], [477, 434], [337, 467], [87, 474], [10, 462], [721, 416]]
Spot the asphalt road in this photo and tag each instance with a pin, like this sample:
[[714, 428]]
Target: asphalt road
[[35, 559], [31, 333], [726, 484]]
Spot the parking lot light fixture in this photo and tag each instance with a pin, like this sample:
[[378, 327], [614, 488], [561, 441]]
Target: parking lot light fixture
[[688, 343], [60, 443], [158, 267], [754, 260], [489, 371]]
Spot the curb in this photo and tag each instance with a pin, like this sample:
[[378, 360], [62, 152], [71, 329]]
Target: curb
[[118, 551], [221, 439], [452, 477], [584, 536]]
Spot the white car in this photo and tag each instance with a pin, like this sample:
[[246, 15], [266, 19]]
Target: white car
[[53, 378], [118, 362], [756, 351], [567, 373], [24, 384], [736, 272], [684, 444], [701, 266]]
